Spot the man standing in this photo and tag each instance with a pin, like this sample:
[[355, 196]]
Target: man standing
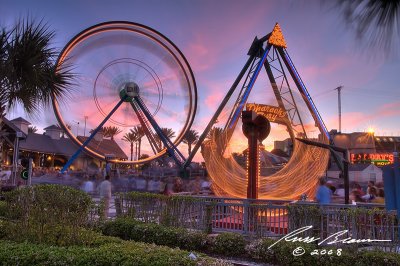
[[323, 195], [105, 194]]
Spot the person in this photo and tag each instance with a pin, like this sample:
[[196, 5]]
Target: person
[[340, 190], [331, 186], [196, 185], [355, 196], [324, 194], [105, 194], [178, 185], [88, 185], [357, 187], [380, 198], [108, 168], [371, 195], [166, 191], [370, 185]]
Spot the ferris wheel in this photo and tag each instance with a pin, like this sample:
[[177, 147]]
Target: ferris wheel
[[128, 75]]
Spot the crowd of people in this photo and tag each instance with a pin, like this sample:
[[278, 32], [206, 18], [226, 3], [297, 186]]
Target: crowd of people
[[327, 190]]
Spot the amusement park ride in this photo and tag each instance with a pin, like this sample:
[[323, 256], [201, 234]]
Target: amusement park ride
[[127, 86]]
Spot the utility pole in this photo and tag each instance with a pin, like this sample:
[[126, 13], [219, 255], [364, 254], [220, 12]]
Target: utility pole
[[340, 107], [84, 130]]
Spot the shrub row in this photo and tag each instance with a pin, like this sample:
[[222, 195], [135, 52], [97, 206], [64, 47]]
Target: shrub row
[[129, 229], [282, 254], [128, 253], [230, 244], [46, 214], [85, 250]]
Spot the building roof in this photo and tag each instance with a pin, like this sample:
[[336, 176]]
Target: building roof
[[65, 146], [106, 146], [20, 120], [44, 143], [280, 153], [357, 167], [8, 127], [53, 127]]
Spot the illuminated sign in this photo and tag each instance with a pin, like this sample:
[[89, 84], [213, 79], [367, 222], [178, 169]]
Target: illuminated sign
[[272, 113], [379, 159]]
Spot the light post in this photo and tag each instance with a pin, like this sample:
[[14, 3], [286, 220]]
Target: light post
[[77, 127]]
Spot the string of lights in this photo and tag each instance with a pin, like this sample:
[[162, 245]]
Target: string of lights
[[299, 176]]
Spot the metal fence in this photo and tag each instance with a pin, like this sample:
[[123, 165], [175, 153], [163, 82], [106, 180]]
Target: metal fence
[[264, 218]]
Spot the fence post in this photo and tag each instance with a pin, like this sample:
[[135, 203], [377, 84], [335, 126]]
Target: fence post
[[246, 213], [208, 218], [118, 205]]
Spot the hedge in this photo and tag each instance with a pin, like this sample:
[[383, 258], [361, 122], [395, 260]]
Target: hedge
[[128, 253], [46, 214], [129, 229], [231, 244]]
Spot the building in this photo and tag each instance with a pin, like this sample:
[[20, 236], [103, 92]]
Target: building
[[53, 149], [387, 144], [365, 148], [361, 173]]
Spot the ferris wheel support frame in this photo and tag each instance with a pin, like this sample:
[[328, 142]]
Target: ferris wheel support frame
[[87, 141]]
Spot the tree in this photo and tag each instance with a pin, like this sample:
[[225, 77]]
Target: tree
[[167, 132], [217, 137], [32, 129], [145, 165], [132, 138], [191, 136], [139, 131], [27, 67], [111, 131], [68, 126], [377, 21]]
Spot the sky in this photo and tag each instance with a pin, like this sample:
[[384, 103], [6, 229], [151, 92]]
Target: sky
[[215, 36]]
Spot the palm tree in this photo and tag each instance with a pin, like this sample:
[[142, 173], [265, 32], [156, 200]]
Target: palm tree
[[132, 138], [378, 21], [167, 132], [190, 138], [217, 136], [32, 129], [27, 67], [69, 127], [111, 131], [139, 131]]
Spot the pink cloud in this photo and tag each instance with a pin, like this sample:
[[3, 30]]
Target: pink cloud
[[330, 66], [214, 99]]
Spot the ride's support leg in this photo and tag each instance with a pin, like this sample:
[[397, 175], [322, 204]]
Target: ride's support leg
[[303, 90], [169, 145], [82, 147], [218, 112], [246, 94]]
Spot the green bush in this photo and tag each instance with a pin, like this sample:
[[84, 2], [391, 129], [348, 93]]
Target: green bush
[[3, 208], [46, 214], [376, 258], [162, 209], [129, 229], [56, 235], [3, 230], [282, 254], [229, 244], [127, 253]]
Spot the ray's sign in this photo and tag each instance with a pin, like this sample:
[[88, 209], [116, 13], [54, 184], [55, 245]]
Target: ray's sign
[[273, 113], [379, 159]]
